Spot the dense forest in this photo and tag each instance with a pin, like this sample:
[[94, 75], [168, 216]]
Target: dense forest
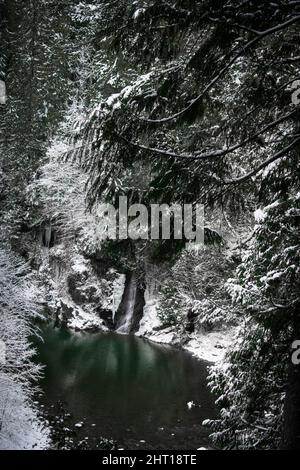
[[164, 102]]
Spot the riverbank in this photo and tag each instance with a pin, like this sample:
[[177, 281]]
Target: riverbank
[[207, 346], [86, 298]]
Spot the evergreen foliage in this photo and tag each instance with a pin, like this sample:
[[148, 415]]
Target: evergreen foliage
[[181, 101]]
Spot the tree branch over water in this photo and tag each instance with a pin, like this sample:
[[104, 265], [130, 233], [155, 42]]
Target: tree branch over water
[[263, 165], [259, 36]]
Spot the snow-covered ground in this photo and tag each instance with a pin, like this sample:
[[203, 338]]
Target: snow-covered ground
[[208, 346], [82, 319], [22, 429], [211, 346]]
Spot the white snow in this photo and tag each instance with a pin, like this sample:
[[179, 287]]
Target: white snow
[[79, 266], [113, 100], [259, 215], [138, 13], [150, 321], [21, 428], [83, 320], [2, 92], [166, 336], [211, 346]]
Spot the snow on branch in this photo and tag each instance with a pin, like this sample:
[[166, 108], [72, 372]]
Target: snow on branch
[[215, 153], [20, 427], [263, 165], [260, 35]]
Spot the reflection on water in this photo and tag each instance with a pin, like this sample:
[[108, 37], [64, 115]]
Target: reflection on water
[[132, 390]]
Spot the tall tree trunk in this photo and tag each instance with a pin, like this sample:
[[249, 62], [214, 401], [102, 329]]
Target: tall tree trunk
[[291, 414]]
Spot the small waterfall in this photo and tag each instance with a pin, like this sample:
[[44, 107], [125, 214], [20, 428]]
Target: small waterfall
[[118, 291], [130, 311]]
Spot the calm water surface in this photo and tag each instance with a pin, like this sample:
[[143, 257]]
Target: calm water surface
[[126, 389]]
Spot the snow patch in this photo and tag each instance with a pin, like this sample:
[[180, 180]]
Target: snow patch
[[83, 320], [259, 215], [79, 266], [211, 346], [150, 321], [138, 13]]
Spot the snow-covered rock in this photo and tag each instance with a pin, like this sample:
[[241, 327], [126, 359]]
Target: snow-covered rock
[[210, 346]]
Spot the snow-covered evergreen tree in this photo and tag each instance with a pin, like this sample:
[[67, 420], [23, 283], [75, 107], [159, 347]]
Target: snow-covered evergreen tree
[[20, 427]]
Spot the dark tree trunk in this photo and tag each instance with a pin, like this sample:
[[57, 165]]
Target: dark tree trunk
[[291, 414]]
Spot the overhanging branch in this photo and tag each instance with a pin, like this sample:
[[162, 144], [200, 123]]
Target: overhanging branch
[[213, 154], [259, 36], [263, 165]]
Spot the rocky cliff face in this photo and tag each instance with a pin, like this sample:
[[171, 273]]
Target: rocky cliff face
[[85, 292], [76, 294]]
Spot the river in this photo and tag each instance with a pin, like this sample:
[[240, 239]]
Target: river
[[139, 394]]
